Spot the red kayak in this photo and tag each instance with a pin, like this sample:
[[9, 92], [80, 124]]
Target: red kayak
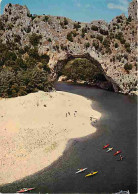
[[25, 190], [117, 152], [106, 146]]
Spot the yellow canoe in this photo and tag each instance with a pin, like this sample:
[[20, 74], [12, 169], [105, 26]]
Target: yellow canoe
[[91, 174]]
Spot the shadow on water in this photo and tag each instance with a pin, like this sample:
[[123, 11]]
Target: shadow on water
[[118, 127]]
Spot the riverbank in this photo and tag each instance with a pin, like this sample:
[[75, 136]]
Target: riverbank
[[36, 129], [100, 84]]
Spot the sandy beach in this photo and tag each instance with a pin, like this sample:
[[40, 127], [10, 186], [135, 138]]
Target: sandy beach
[[36, 128]]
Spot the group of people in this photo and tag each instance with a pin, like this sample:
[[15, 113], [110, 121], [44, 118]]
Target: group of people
[[68, 113]]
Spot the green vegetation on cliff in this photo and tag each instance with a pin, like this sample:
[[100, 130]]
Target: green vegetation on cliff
[[82, 69], [24, 73]]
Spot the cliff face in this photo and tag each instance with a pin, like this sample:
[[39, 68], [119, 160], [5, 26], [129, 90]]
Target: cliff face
[[112, 45]]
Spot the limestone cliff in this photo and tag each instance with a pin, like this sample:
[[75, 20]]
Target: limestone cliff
[[112, 45]]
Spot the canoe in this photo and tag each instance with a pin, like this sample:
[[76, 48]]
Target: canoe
[[81, 170], [25, 190], [117, 152], [91, 174], [106, 146], [109, 149]]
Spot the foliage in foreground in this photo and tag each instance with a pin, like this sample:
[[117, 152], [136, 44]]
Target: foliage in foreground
[[22, 71]]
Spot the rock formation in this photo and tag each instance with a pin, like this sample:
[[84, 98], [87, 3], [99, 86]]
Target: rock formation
[[112, 45]]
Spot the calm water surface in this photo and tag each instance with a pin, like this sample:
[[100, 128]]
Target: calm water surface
[[118, 127]]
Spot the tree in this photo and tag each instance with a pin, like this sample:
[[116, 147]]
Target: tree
[[69, 37], [99, 37], [87, 45], [46, 18], [80, 69], [65, 21], [116, 45], [95, 28], [127, 67], [35, 39]]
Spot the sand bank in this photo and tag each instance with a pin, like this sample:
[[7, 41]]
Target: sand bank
[[35, 130]]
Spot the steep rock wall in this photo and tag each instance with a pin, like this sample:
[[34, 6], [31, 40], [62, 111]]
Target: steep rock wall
[[112, 45]]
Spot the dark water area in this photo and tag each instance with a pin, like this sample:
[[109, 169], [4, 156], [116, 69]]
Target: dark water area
[[117, 126]]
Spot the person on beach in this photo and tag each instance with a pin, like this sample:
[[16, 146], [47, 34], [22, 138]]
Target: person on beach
[[69, 113], [90, 118], [66, 114]]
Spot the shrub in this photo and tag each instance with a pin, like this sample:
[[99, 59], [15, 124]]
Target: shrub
[[21, 51], [32, 16], [1, 25], [111, 35], [99, 37], [28, 29], [77, 25], [128, 49], [49, 40], [33, 53], [129, 19], [120, 37], [99, 77], [116, 45], [95, 28], [108, 50], [26, 48], [46, 18], [65, 21], [21, 63], [87, 45], [10, 26], [118, 57], [106, 43], [96, 44], [118, 20], [10, 56], [80, 69], [104, 32], [84, 30], [35, 39], [63, 47], [69, 37], [126, 56], [17, 38], [62, 24], [122, 40], [74, 33], [127, 46], [127, 67]]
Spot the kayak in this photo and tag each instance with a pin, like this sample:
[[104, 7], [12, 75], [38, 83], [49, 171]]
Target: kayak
[[117, 152], [106, 146], [81, 170], [25, 190], [91, 174], [109, 149]]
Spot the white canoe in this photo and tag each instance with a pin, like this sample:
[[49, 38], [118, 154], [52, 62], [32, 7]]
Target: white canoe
[[81, 170], [109, 149]]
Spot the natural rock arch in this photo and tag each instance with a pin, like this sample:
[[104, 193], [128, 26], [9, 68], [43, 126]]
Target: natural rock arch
[[57, 62]]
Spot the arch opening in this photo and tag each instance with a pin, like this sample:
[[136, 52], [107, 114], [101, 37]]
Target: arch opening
[[83, 69]]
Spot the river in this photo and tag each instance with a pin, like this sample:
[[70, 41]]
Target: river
[[117, 126]]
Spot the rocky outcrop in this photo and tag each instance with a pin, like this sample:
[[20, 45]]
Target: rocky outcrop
[[132, 10], [112, 45]]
